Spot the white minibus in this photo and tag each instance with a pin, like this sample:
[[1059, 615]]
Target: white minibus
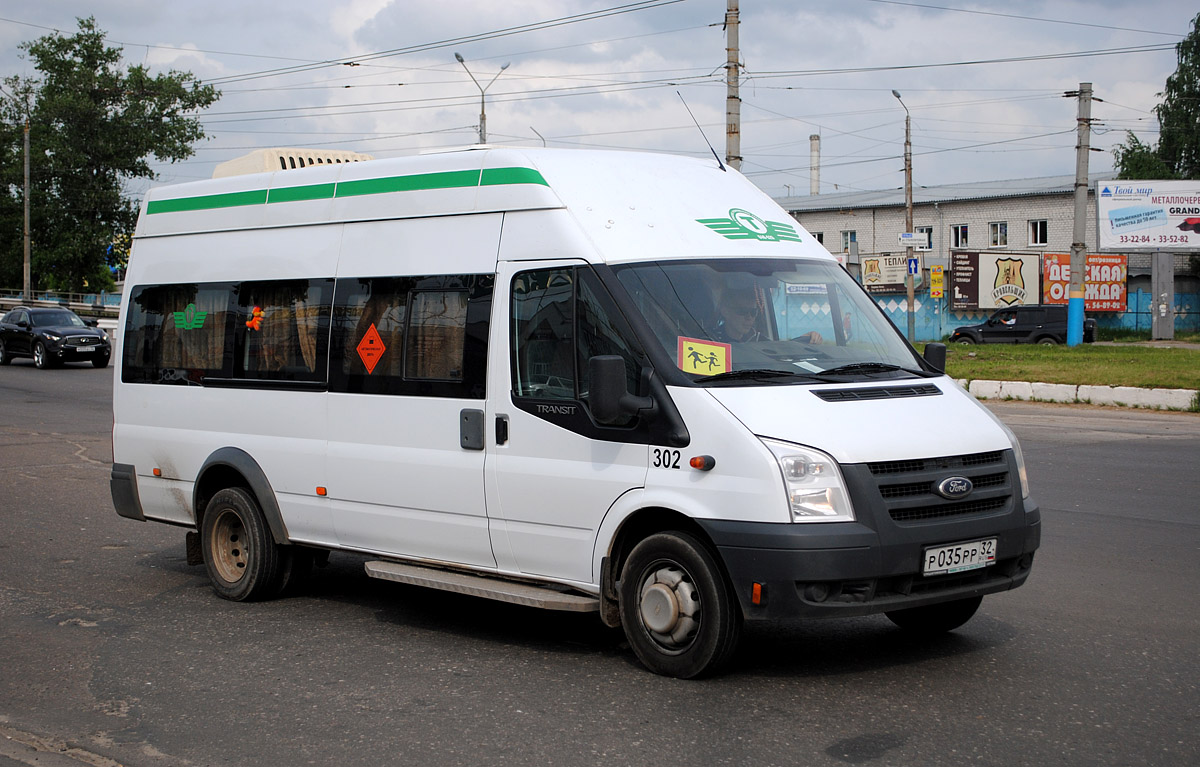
[[618, 382]]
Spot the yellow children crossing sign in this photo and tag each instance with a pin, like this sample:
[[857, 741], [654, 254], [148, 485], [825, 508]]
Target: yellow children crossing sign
[[697, 355]]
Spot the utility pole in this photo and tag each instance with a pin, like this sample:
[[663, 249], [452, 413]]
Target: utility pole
[[908, 217], [27, 288], [1075, 300], [733, 102]]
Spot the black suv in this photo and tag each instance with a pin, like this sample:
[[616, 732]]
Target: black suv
[[1043, 324], [52, 336]]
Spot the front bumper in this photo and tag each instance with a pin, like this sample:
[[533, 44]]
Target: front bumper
[[873, 565]]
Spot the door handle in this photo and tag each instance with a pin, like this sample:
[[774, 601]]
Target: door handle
[[501, 429]]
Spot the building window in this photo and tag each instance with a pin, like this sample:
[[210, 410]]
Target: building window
[[848, 236], [998, 234], [1038, 233], [819, 237], [958, 236], [924, 237]]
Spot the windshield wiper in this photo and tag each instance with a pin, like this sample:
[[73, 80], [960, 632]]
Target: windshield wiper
[[753, 374], [872, 367]]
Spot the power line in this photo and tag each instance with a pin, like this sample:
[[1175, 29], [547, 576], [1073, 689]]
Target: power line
[[1026, 18]]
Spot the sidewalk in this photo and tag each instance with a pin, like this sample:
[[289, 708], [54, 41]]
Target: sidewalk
[[1119, 396]]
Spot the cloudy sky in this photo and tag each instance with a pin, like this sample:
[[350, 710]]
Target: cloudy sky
[[984, 81]]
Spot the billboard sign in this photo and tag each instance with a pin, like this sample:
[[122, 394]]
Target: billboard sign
[[994, 280], [1148, 215], [884, 273], [1104, 281]]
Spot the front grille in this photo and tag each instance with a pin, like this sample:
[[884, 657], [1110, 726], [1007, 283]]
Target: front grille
[[959, 509], [908, 488], [931, 464], [877, 392], [81, 341]]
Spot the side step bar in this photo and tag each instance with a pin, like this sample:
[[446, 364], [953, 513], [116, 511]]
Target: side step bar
[[488, 588]]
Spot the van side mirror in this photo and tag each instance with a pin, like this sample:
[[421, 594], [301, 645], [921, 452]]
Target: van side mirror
[[608, 395], [935, 355]]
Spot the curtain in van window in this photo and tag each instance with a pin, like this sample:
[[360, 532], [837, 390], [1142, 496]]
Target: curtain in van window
[[436, 336], [281, 327], [193, 331]]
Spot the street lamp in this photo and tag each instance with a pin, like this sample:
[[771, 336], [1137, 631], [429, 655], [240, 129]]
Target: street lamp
[[908, 217], [482, 91]]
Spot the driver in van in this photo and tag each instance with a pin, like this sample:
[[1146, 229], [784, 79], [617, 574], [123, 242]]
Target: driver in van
[[739, 309]]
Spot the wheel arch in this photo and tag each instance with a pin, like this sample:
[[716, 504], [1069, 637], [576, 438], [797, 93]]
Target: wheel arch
[[234, 467], [635, 527]]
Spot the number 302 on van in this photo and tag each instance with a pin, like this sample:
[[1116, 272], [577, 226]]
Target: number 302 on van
[[624, 383]]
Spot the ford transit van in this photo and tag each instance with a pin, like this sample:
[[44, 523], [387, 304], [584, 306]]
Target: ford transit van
[[616, 382]]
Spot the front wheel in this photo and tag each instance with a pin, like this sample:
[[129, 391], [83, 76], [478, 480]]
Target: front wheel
[[679, 613], [1047, 341], [41, 357], [935, 619], [100, 362], [243, 562]]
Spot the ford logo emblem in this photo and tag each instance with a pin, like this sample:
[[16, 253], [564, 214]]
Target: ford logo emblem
[[954, 488]]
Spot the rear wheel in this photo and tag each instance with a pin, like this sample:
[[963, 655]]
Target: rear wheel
[[680, 616], [5, 358], [964, 340], [935, 619], [243, 562], [1047, 341]]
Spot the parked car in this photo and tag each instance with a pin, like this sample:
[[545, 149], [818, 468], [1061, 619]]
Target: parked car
[[1038, 324], [52, 336]]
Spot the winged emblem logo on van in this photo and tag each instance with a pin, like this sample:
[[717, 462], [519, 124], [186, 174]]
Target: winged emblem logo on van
[[744, 225], [190, 318]]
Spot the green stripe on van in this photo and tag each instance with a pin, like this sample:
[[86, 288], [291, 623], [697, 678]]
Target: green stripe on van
[[208, 201], [420, 182], [500, 176], [457, 179], [301, 193]]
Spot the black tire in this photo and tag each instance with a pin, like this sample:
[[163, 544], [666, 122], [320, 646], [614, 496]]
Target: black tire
[[5, 357], [964, 340], [1047, 341], [41, 357], [935, 619], [672, 583], [100, 362], [244, 564]]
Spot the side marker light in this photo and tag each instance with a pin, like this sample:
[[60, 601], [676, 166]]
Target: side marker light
[[157, 472], [322, 491], [703, 462]]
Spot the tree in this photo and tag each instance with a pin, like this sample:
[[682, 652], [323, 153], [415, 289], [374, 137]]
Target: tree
[[1178, 152], [93, 128]]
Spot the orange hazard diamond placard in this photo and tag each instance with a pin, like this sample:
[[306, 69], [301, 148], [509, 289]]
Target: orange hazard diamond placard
[[371, 348], [697, 355]]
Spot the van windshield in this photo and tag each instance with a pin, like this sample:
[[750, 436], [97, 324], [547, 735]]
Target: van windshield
[[766, 320]]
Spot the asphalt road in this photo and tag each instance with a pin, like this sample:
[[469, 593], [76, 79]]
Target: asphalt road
[[114, 651]]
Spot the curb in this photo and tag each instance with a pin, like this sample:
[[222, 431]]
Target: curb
[[1119, 396]]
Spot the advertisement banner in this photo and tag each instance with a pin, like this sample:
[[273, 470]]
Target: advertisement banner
[[1104, 281], [1148, 215], [884, 273], [964, 281], [994, 280]]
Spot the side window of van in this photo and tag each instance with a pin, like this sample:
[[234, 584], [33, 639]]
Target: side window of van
[[414, 336], [560, 319], [281, 330], [176, 334]]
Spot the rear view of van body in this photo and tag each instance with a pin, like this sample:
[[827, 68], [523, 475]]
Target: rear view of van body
[[600, 381]]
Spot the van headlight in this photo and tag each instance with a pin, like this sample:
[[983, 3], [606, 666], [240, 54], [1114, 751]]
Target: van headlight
[[815, 489], [1016, 446]]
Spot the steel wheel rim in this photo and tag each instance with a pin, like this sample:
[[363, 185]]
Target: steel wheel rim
[[669, 607], [229, 546]]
